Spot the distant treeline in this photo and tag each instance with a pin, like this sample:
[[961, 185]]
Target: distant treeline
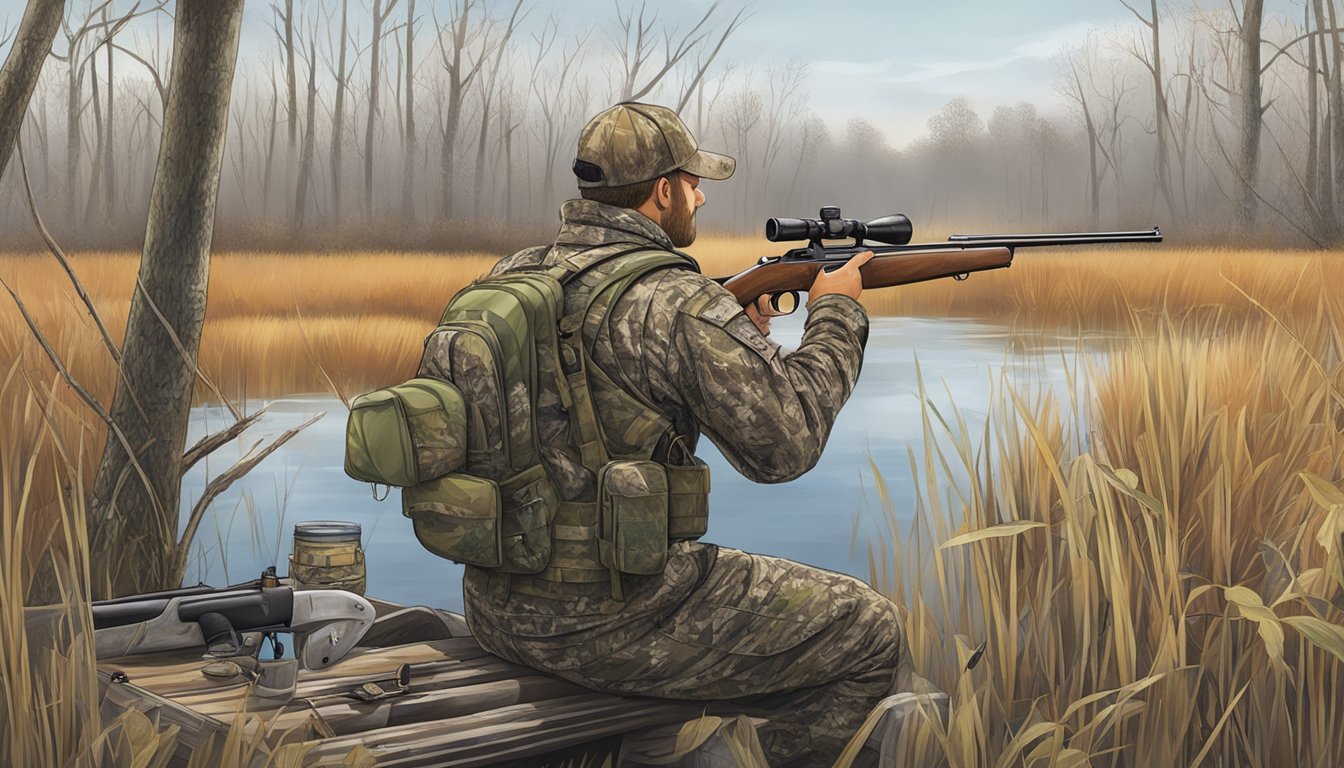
[[405, 124]]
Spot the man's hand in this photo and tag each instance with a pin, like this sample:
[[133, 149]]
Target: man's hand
[[846, 280], [760, 313]]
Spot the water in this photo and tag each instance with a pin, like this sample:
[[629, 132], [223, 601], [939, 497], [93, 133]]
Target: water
[[826, 518]]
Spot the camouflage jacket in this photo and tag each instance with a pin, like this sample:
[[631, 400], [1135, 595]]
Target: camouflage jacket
[[679, 342]]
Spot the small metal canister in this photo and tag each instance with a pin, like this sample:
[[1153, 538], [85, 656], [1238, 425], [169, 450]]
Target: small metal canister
[[327, 555]]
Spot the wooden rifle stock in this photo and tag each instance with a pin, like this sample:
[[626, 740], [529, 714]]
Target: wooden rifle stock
[[882, 271]]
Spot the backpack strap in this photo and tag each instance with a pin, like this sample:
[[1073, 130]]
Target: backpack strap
[[601, 295]]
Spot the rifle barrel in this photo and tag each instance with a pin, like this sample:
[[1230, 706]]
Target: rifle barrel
[[1153, 235]]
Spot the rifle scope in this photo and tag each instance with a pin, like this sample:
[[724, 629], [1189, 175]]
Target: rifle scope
[[892, 230]]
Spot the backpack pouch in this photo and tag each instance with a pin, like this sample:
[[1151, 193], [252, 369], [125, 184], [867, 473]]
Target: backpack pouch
[[467, 353], [457, 517], [687, 500], [633, 498], [529, 504], [406, 434]]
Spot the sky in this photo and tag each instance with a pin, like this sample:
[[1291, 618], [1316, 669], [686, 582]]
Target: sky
[[895, 62]]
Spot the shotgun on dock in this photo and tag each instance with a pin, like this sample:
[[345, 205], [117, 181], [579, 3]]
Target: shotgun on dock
[[895, 260], [326, 623]]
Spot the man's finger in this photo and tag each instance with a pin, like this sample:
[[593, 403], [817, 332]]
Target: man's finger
[[859, 259]]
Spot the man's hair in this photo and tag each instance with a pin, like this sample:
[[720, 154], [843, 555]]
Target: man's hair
[[629, 195]]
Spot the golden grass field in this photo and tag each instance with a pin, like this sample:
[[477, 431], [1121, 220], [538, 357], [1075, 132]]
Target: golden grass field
[[1156, 572]]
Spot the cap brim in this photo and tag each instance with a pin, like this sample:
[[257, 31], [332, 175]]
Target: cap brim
[[709, 165]]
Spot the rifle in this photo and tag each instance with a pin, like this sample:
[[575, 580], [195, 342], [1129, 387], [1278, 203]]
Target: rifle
[[894, 262], [326, 623]]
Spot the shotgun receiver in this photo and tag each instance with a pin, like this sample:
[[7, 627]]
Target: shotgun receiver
[[326, 623], [895, 261]]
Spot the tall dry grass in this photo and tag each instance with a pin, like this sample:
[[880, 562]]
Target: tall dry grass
[[272, 317], [1154, 572], [1164, 586]]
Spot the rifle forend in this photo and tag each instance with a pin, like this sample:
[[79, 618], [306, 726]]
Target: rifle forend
[[895, 263]]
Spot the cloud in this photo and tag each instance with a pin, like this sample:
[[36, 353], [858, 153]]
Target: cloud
[[1043, 46], [848, 68], [944, 69], [1049, 44]]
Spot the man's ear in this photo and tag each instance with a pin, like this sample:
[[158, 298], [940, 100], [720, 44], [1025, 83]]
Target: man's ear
[[662, 193]]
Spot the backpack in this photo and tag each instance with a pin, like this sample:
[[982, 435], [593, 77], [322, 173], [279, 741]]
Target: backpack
[[461, 438]]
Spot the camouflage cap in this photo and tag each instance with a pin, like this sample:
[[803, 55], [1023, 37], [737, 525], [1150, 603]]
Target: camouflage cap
[[634, 142]]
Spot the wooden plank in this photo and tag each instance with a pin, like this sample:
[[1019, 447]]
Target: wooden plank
[[486, 738], [348, 716], [336, 691], [195, 728]]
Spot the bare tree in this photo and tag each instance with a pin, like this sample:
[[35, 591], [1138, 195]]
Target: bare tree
[[135, 518], [551, 95], [1151, 58], [408, 144], [488, 101], [380, 16], [1079, 60], [462, 67], [341, 75], [635, 45], [309, 141], [1249, 109], [22, 67]]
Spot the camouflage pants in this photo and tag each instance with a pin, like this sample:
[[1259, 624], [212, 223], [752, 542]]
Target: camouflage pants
[[809, 649]]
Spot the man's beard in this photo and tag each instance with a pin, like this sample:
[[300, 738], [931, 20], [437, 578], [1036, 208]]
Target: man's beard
[[679, 220]]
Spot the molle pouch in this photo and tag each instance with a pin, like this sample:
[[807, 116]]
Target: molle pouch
[[458, 517], [406, 434], [633, 498], [529, 503], [468, 354], [687, 500]]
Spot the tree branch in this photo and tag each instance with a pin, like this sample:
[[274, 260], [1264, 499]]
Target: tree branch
[[210, 443], [221, 483]]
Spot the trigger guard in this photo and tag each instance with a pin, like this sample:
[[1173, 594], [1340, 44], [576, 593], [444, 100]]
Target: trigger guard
[[774, 302]]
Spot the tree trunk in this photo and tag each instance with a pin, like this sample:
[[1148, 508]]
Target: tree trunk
[[1163, 117], [31, 45], [309, 140], [1312, 182], [373, 108], [1325, 193], [338, 118], [291, 80], [1249, 111], [1336, 115], [109, 153], [135, 518], [408, 173]]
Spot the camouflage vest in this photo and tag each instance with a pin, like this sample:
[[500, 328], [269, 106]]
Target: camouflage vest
[[506, 388]]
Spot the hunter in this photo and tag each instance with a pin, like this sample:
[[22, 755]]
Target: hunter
[[811, 650]]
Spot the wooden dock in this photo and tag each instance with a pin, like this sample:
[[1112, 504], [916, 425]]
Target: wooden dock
[[462, 707]]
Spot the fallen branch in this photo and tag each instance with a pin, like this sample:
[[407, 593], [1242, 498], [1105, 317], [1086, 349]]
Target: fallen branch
[[210, 443], [220, 484]]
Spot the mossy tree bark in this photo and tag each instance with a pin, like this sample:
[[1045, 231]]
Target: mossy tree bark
[[135, 502]]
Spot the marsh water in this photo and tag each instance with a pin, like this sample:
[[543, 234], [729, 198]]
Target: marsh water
[[831, 517]]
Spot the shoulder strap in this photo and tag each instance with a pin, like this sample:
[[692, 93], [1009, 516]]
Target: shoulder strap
[[591, 441]]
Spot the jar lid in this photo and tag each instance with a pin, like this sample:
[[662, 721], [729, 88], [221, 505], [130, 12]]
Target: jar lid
[[327, 530]]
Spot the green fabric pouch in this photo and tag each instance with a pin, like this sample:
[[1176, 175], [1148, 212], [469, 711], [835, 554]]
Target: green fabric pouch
[[458, 517], [406, 434], [688, 500], [529, 504], [633, 498]]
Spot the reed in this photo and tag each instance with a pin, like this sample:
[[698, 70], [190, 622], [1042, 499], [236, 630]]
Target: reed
[[1153, 571]]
